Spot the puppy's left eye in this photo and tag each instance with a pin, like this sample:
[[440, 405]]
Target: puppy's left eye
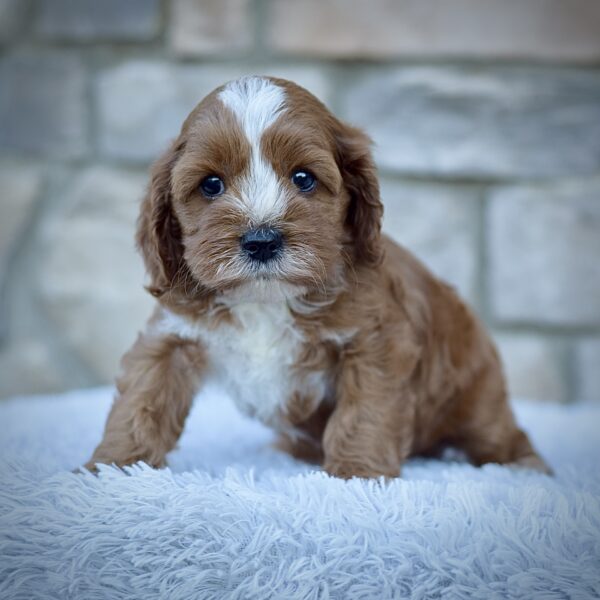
[[212, 186], [304, 181]]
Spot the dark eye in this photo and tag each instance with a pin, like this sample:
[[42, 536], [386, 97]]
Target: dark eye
[[212, 186], [304, 181]]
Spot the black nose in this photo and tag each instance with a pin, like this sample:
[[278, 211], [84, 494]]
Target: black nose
[[261, 244]]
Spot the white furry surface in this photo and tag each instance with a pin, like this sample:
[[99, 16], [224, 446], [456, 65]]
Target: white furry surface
[[233, 518]]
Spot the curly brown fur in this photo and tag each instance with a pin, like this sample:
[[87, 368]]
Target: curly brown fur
[[344, 342]]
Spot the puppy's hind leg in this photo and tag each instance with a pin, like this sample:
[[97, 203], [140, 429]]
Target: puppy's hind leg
[[485, 427], [155, 392]]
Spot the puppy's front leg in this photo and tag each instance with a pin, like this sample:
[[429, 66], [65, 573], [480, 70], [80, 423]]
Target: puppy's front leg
[[155, 391], [369, 433]]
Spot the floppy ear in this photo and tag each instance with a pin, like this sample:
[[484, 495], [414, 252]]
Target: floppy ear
[[365, 209], [158, 231]]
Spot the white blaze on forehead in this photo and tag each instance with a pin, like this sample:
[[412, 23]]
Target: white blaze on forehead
[[257, 103]]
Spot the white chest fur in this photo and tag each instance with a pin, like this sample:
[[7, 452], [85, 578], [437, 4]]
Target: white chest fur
[[254, 356]]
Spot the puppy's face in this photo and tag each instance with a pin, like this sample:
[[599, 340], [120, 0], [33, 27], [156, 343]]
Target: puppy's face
[[264, 194]]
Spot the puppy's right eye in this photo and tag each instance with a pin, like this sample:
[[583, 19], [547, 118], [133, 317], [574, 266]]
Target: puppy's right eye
[[212, 186]]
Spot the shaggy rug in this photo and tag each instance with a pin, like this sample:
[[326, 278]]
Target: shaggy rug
[[233, 518]]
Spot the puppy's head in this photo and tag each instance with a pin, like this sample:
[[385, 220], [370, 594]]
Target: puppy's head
[[264, 192]]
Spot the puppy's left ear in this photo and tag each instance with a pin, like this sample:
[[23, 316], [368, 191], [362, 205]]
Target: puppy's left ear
[[365, 209]]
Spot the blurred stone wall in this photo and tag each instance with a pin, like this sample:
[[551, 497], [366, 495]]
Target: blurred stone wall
[[485, 114]]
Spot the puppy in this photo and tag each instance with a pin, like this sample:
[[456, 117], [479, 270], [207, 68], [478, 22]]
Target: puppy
[[260, 232]]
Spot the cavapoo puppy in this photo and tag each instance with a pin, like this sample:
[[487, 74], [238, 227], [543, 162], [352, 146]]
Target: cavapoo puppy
[[260, 232]]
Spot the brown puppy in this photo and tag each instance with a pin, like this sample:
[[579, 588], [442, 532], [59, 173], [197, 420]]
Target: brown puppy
[[261, 235]]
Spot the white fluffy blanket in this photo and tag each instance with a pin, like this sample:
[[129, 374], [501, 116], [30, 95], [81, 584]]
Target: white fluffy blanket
[[233, 518]]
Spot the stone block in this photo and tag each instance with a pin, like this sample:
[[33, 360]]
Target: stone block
[[438, 224], [551, 30], [533, 367], [142, 104], [93, 20], [587, 369], [43, 106], [210, 27], [90, 281], [512, 122], [544, 244]]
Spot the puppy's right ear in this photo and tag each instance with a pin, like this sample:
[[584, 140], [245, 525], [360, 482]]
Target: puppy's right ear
[[158, 231]]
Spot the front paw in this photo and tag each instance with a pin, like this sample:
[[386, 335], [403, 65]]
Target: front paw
[[91, 466], [532, 462], [120, 462], [346, 470]]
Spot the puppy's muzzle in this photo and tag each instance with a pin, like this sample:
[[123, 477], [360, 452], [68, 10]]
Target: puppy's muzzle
[[262, 244]]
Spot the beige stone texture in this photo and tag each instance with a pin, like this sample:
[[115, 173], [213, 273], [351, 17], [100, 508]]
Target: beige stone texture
[[544, 244], [497, 122], [439, 225], [552, 30], [209, 27]]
